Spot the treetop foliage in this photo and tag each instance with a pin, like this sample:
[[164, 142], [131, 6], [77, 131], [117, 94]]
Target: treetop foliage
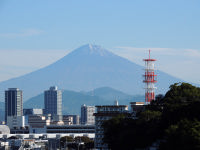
[[171, 121]]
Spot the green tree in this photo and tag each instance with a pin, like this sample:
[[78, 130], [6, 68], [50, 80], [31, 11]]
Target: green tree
[[185, 136], [65, 139], [88, 143], [172, 119], [84, 139]]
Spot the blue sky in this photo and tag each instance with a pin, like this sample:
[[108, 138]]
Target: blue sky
[[49, 29]]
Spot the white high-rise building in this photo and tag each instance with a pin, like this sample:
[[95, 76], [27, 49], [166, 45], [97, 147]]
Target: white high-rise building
[[87, 114], [53, 103], [13, 103], [14, 108]]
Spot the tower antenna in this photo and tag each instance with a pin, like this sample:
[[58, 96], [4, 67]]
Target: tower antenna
[[149, 79]]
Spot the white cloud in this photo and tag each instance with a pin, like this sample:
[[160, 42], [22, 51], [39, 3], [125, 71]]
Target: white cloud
[[23, 33], [192, 53]]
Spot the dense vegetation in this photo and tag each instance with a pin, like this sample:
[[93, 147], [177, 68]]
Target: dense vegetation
[[170, 122], [79, 142]]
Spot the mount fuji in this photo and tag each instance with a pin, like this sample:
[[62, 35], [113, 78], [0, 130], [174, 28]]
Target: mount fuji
[[85, 69]]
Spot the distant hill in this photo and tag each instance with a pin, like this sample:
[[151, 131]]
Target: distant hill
[[109, 94], [87, 68], [72, 101]]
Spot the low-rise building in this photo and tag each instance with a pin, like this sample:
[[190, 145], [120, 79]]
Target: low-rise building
[[104, 113], [4, 129], [68, 120], [136, 107], [38, 123], [71, 119], [87, 116], [85, 129], [15, 121], [76, 119], [31, 111], [4, 145]]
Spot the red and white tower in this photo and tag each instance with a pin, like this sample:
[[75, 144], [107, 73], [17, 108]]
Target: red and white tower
[[149, 79]]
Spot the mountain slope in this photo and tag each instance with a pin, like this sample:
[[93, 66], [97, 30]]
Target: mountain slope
[[86, 68]]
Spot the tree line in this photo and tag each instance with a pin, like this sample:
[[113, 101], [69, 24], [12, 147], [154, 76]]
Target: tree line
[[170, 122]]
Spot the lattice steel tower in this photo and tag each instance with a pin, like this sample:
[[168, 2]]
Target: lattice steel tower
[[149, 79]]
